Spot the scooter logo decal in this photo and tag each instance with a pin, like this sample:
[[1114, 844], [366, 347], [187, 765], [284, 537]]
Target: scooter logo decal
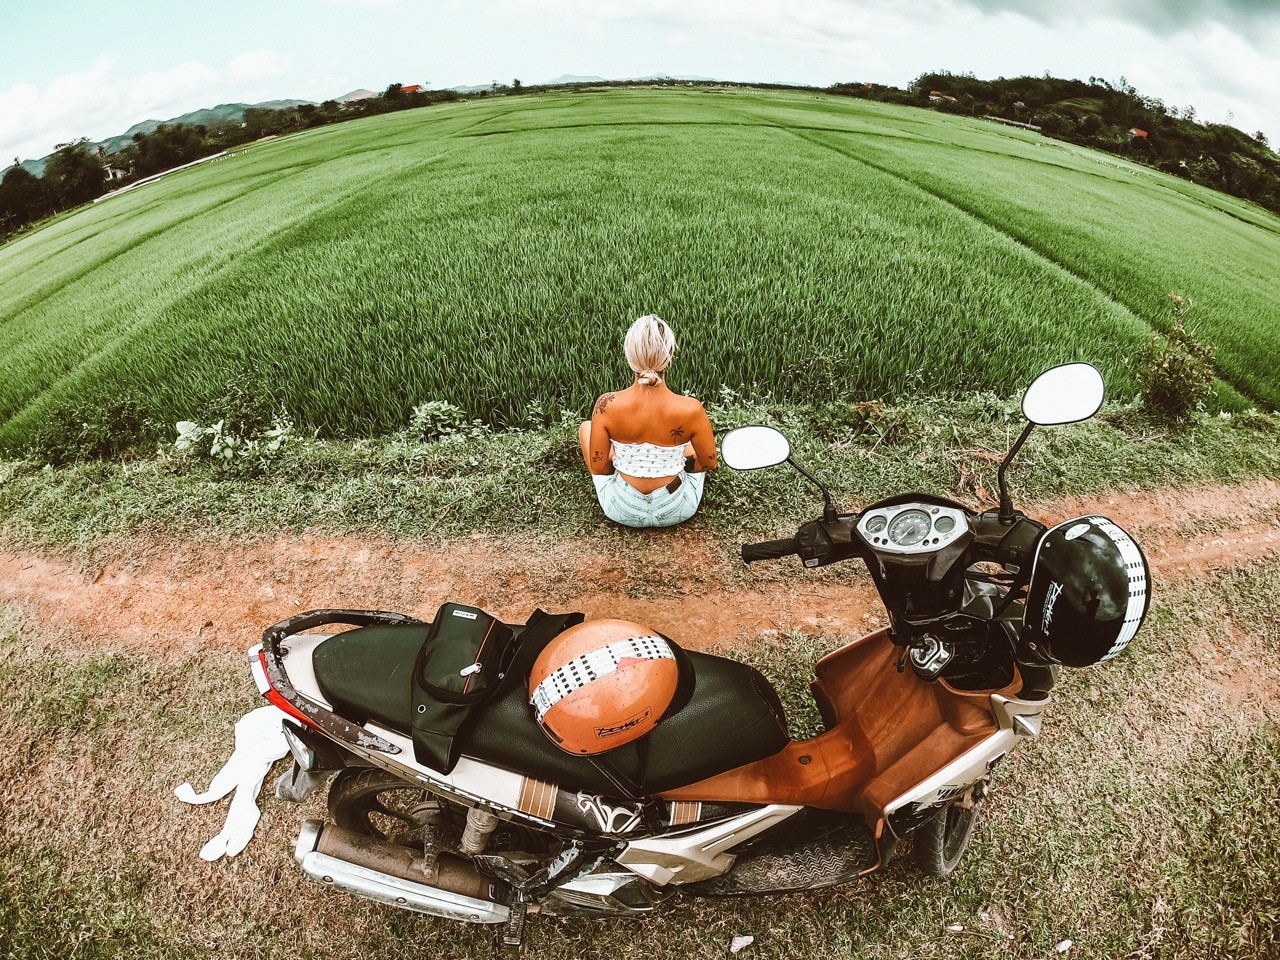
[[602, 732], [1079, 530], [610, 819], [1050, 600]]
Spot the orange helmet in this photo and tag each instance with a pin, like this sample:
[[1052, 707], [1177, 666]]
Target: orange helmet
[[602, 684]]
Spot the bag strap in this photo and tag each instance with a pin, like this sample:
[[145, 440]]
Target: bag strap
[[540, 629]]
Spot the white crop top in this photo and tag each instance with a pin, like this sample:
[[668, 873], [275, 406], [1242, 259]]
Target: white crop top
[[647, 459]]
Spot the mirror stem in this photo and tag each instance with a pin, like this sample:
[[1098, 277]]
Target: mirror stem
[[1007, 514], [828, 508]]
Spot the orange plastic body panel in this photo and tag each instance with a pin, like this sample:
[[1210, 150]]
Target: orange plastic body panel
[[887, 731]]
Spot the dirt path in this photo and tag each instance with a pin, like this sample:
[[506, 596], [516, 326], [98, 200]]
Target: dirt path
[[680, 582]]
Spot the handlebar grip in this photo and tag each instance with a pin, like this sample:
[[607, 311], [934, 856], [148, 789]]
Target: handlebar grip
[[769, 550]]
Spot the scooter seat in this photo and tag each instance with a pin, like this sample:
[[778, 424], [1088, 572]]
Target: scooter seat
[[731, 717]]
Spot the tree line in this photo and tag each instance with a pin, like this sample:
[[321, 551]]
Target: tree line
[[1094, 113], [77, 172], [1106, 116]]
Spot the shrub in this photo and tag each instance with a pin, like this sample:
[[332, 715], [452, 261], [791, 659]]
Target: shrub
[[243, 407], [439, 419], [91, 429], [221, 442], [1180, 376]]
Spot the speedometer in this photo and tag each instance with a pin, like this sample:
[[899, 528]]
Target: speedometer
[[913, 528], [909, 528]]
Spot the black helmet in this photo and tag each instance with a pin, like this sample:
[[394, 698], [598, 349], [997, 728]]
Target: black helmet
[[1088, 594]]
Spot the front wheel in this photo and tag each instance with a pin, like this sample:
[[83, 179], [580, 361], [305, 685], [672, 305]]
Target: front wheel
[[942, 840]]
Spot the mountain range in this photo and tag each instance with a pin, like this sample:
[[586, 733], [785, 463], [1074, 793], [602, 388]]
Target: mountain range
[[234, 112], [565, 78], [206, 116]]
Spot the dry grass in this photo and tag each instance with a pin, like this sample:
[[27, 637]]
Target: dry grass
[[1143, 824]]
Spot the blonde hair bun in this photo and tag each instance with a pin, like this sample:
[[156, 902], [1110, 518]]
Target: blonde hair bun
[[649, 347]]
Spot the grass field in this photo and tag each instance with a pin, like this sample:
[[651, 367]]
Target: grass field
[[491, 253], [1143, 824]]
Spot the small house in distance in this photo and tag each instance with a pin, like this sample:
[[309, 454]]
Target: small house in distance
[[412, 88], [1138, 132]]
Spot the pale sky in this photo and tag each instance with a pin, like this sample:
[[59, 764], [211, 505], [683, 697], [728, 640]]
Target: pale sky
[[71, 68]]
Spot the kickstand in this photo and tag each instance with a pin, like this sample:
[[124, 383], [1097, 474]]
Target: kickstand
[[513, 932]]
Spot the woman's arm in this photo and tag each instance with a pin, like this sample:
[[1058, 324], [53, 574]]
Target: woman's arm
[[600, 452], [703, 440]]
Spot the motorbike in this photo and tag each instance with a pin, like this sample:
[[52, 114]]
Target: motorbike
[[716, 800]]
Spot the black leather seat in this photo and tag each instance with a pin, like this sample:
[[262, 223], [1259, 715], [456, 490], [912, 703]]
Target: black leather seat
[[730, 716]]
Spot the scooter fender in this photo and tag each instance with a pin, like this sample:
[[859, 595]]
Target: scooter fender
[[1017, 719]]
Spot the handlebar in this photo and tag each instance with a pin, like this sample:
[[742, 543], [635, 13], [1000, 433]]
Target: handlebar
[[769, 550]]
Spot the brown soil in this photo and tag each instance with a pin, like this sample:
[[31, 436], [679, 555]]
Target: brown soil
[[160, 592]]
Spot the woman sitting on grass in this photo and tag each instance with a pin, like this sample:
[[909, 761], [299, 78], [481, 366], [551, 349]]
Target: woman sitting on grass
[[647, 448]]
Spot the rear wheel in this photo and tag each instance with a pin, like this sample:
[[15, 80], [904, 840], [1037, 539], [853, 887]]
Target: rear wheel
[[378, 804], [942, 840]]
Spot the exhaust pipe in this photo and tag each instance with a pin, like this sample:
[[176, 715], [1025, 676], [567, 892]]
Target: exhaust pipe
[[444, 886]]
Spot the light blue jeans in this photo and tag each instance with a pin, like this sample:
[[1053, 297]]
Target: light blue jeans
[[624, 504]]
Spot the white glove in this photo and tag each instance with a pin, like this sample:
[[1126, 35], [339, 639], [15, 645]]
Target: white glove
[[260, 743]]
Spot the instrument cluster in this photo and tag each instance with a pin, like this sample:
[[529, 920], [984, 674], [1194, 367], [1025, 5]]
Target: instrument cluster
[[912, 528]]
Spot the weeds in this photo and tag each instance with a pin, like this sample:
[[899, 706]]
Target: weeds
[[503, 481], [93, 429], [1180, 375], [220, 442], [439, 419]]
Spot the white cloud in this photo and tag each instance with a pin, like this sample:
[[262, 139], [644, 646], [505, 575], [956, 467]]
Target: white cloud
[[159, 90], [99, 102], [1249, 18], [1222, 74], [257, 65], [825, 25], [1183, 51], [1210, 62]]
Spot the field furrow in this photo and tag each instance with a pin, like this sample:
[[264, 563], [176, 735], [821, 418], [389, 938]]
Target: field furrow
[[491, 254]]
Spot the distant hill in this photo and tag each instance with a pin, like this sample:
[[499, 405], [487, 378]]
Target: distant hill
[[566, 78], [574, 78], [693, 77], [360, 94], [206, 116], [570, 78]]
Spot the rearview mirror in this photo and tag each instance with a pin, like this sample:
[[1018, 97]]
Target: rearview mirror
[[751, 448], [1066, 394]]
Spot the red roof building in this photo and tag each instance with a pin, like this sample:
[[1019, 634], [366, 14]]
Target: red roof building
[[412, 88], [1137, 132]]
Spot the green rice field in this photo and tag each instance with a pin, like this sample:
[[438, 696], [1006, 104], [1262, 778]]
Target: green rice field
[[492, 252]]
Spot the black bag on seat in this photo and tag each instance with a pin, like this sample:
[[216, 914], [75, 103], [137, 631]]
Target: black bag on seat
[[465, 654]]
